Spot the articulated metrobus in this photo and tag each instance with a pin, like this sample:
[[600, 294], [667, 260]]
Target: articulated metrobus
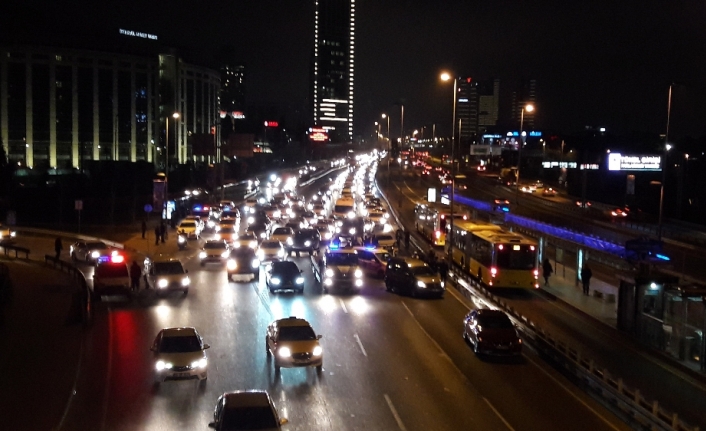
[[496, 258], [430, 219]]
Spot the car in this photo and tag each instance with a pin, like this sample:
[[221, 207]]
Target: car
[[491, 332], [243, 261], [228, 221], [337, 268], [191, 228], [501, 205], [165, 274], [619, 212], [179, 354], [293, 343], [527, 189], [90, 251], [247, 239], [260, 219], [259, 230], [284, 275], [246, 410], [373, 260], [111, 277], [270, 250], [308, 240], [481, 168], [385, 241], [227, 233], [583, 204], [282, 234], [549, 192], [6, 234], [413, 277], [214, 250]]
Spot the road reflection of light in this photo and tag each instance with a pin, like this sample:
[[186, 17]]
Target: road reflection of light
[[163, 313], [358, 305], [327, 303], [227, 297], [276, 308], [298, 308]]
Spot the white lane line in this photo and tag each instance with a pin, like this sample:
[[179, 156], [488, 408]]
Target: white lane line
[[343, 305], [394, 413], [438, 347], [108, 377], [607, 422], [357, 338], [498, 414]]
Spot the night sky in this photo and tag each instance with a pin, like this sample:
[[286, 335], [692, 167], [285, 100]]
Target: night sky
[[599, 63]]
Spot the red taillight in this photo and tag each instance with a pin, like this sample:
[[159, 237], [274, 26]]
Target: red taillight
[[117, 258], [532, 247], [493, 272], [438, 234], [536, 273], [443, 216], [500, 246]]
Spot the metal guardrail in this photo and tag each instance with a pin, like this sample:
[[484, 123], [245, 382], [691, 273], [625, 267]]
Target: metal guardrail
[[81, 307], [7, 248], [627, 402]]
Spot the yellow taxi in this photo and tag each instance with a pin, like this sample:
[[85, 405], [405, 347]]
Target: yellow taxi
[[293, 343], [226, 234], [6, 235]]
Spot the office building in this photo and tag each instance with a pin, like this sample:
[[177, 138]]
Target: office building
[[477, 107], [233, 89], [333, 68], [525, 92]]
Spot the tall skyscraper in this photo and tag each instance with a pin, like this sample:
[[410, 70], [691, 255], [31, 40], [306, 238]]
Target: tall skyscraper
[[334, 55], [524, 93], [232, 88], [477, 105]]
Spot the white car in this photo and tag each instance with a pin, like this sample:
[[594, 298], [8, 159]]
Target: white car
[[165, 275], [179, 354], [214, 251], [385, 241], [282, 234], [270, 250]]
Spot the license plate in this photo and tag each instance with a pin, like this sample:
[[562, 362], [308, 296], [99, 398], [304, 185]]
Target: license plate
[[182, 374]]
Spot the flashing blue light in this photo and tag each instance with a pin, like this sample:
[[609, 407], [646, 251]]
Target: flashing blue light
[[506, 209], [197, 208], [333, 246], [662, 257], [370, 247], [103, 259]]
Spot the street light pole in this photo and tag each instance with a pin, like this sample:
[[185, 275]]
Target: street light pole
[[667, 147], [166, 161], [449, 238], [528, 108]]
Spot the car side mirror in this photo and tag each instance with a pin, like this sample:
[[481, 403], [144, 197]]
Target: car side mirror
[[318, 337], [212, 425], [206, 346], [283, 421], [186, 271]]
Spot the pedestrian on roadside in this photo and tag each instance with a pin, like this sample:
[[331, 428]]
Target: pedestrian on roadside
[[58, 246], [162, 231], [443, 269], [157, 233], [135, 273], [586, 275], [547, 270], [406, 240], [144, 229], [398, 237]]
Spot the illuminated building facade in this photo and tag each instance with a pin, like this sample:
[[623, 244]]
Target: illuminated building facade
[[333, 67], [61, 106]]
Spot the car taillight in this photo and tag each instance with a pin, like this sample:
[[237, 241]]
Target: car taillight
[[493, 272], [536, 274]]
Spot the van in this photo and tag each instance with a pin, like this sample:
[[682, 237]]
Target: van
[[372, 260]]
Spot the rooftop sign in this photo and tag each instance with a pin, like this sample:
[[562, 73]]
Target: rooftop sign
[[134, 33]]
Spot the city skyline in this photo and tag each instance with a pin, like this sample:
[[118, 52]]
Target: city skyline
[[600, 65]]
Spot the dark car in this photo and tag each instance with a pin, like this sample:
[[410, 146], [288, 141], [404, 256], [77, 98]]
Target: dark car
[[258, 229], [246, 410], [308, 240], [284, 275], [491, 332], [90, 252], [242, 261], [413, 277]]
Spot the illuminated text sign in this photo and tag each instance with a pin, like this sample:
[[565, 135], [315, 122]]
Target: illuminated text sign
[[271, 124], [620, 162], [134, 33]]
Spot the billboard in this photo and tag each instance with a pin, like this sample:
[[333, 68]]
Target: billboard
[[625, 162], [239, 145]]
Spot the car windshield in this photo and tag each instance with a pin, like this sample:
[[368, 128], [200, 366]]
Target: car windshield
[[495, 322], [168, 268], [96, 246], [422, 270], [255, 227], [108, 270], [242, 253], [270, 244], [296, 333], [306, 233], [187, 224], [248, 418], [215, 246], [341, 259], [285, 268], [186, 344], [282, 231]]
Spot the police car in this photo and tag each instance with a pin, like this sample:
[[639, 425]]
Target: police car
[[112, 276]]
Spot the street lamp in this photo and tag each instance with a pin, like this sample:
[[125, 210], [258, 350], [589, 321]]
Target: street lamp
[[529, 108], [166, 158], [449, 238], [667, 147], [388, 127]]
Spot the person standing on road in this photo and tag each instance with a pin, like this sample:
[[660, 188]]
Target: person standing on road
[[135, 273], [398, 237], [547, 270], [58, 246], [443, 269], [157, 232], [586, 275], [162, 230], [144, 229], [406, 240]]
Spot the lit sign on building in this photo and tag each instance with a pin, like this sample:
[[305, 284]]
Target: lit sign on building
[[463, 100], [318, 134], [589, 166], [619, 162], [271, 124], [561, 165], [134, 33], [533, 133]]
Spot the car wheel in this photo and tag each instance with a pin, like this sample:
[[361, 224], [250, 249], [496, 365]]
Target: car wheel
[[267, 350], [277, 369], [73, 257], [186, 292], [319, 369], [230, 277]]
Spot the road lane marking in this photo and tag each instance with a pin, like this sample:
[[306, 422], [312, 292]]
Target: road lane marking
[[75, 384], [343, 305], [394, 413], [498, 414], [357, 338], [443, 353], [573, 394]]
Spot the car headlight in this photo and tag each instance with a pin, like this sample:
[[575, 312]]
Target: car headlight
[[218, 228], [255, 263], [280, 253], [284, 352], [261, 254], [317, 351], [329, 272], [421, 284], [201, 363], [277, 214], [386, 215], [225, 254], [162, 283], [307, 243], [217, 236], [251, 219], [263, 235], [327, 235], [211, 223], [276, 281], [351, 231], [161, 365], [300, 280], [290, 241], [202, 255], [231, 264], [185, 281], [442, 284], [351, 214], [253, 244], [95, 254], [358, 273]]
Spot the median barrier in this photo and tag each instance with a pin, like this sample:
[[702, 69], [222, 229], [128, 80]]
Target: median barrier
[[8, 248]]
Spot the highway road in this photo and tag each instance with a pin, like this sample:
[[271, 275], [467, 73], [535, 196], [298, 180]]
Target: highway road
[[390, 363]]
